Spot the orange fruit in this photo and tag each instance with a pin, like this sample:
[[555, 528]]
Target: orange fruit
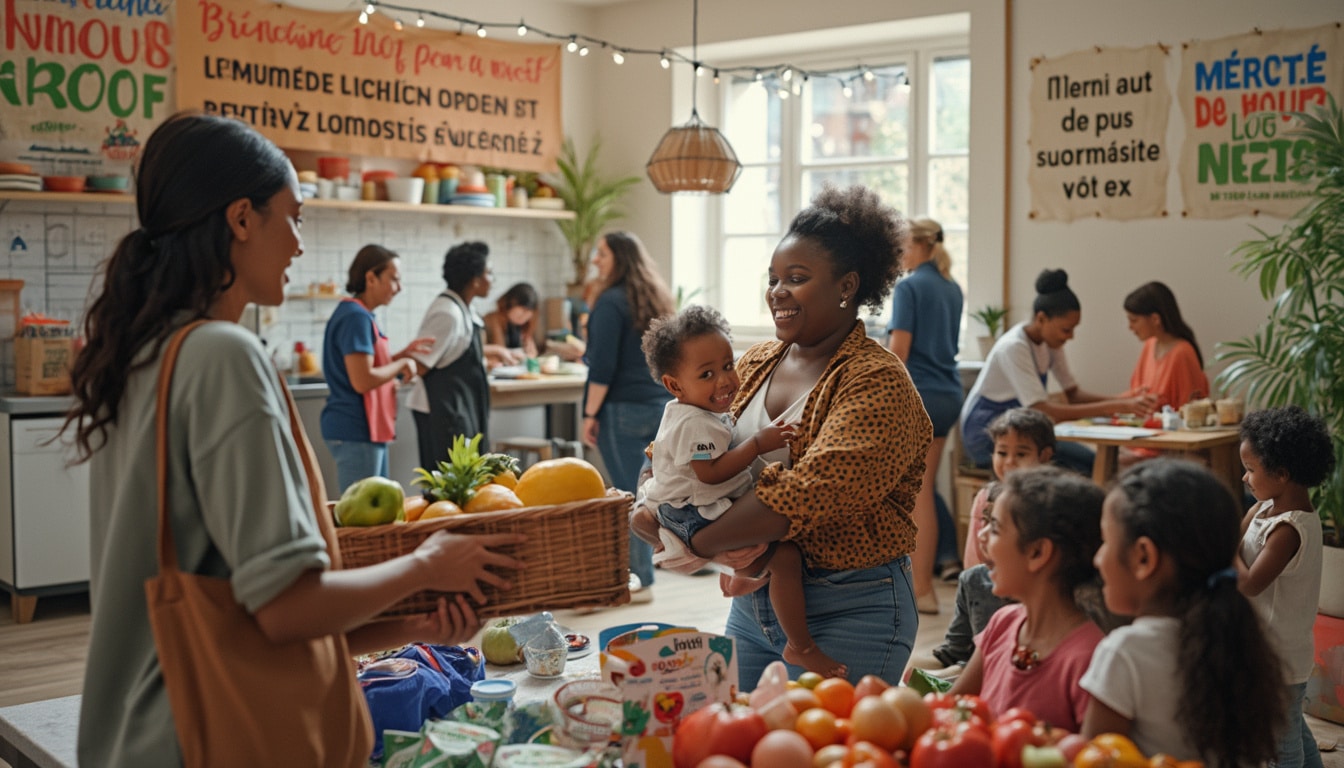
[[560, 481], [818, 727], [836, 694], [415, 507], [879, 721], [440, 509], [802, 699], [492, 498], [506, 479]]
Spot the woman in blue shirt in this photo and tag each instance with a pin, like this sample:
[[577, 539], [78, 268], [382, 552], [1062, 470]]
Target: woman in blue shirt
[[925, 332], [624, 404]]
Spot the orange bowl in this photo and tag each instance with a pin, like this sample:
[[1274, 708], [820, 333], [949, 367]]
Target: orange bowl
[[63, 183]]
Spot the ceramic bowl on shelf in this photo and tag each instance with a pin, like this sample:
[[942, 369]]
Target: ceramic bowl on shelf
[[63, 183], [107, 183], [407, 189]]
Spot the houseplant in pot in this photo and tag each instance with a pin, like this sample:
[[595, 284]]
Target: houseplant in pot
[[1297, 356], [594, 199], [992, 317]]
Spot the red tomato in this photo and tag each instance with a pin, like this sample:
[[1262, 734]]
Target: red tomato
[[1008, 740], [716, 730], [1017, 713], [951, 717], [865, 754], [972, 704], [959, 747], [869, 685]]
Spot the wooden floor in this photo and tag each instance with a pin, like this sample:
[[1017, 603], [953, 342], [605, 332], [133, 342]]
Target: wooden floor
[[45, 659]]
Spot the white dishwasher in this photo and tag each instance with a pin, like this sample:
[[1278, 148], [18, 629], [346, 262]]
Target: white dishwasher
[[48, 505]]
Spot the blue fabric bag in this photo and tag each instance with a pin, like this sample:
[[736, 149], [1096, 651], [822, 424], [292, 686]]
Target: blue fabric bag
[[418, 683]]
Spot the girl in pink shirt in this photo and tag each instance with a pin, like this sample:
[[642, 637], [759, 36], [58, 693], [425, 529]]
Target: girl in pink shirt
[[1043, 531]]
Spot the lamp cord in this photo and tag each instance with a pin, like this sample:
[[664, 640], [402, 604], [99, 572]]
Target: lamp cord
[[695, 56]]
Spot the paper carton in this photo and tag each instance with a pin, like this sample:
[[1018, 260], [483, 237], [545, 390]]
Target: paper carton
[[42, 357], [665, 674]]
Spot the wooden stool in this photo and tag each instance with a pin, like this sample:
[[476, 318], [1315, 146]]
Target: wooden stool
[[524, 447]]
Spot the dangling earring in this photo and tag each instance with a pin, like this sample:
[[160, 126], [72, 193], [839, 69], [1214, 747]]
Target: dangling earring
[[844, 302]]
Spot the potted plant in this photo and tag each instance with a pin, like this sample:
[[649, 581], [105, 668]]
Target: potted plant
[[1297, 356], [593, 199], [992, 317]]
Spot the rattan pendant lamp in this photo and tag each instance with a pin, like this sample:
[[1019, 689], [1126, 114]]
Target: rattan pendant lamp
[[694, 157]]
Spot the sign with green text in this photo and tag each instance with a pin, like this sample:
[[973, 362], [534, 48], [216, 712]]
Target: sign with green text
[[1236, 94], [83, 82]]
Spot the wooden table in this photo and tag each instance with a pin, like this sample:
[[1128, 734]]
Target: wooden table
[[1218, 448]]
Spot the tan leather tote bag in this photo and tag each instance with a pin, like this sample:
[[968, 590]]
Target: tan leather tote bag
[[238, 699]]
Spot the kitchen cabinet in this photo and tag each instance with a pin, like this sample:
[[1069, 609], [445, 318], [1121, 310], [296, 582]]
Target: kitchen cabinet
[[44, 514]]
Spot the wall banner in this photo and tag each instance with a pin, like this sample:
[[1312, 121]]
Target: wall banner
[[1098, 134], [1235, 94], [323, 81], [83, 83]]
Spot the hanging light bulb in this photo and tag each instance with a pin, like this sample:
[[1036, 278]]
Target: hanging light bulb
[[787, 75], [363, 17], [716, 77], [480, 30], [572, 45], [663, 61], [369, 9], [699, 71], [396, 24], [522, 28], [420, 20], [583, 51], [868, 75], [797, 89], [759, 77], [618, 57], [783, 93], [847, 91]]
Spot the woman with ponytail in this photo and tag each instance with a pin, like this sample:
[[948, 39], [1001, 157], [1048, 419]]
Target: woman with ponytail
[[1016, 370], [1170, 366], [1195, 675], [219, 211], [924, 332]]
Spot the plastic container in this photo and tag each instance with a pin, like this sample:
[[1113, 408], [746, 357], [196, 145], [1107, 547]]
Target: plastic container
[[499, 689]]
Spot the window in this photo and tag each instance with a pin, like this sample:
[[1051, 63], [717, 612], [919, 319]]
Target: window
[[904, 132]]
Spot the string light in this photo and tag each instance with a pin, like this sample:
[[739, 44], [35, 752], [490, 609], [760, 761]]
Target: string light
[[396, 24], [783, 93], [781, 73]]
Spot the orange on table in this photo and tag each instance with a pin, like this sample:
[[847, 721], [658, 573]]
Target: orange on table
[[818, 727], [836, 694], [802, 699]]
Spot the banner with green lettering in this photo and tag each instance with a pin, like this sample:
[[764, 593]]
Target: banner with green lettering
[[1236, 94], [324, 81], [83, 82]]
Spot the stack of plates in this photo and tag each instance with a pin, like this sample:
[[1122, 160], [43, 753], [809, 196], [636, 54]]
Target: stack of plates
[[22, 182], [474, 199]]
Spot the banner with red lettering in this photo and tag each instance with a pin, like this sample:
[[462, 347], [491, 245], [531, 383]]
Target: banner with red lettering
[[83, 82], [324, 81], [1098, 134], [1236, 93]]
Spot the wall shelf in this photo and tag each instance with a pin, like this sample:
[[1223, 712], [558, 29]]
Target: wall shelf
[[316, 204]]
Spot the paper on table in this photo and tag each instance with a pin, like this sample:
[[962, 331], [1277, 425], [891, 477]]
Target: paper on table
[[1085, 431]]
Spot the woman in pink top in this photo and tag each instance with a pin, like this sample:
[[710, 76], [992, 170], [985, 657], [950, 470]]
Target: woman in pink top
[[1170, 366], [1043, 532]]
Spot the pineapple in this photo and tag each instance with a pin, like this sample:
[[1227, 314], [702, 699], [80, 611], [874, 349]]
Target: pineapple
[[457, 479]]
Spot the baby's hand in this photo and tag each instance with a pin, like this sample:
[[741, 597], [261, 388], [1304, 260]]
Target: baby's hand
[[775, 436]]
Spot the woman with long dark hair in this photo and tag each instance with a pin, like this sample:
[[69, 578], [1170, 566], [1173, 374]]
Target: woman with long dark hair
[[219, 209], [624, 404], [1170, 367], [513, 324]]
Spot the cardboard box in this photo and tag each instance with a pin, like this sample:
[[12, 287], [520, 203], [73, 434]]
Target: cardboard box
[[42, 358], [664, 674]]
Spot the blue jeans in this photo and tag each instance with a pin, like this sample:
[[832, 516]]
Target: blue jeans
[[356, 460], [683, 522], [947, 533], [624, 431], [864, 619], [1297, 748]]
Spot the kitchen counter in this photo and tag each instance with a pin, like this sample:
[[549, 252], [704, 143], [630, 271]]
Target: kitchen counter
[[51, 405]]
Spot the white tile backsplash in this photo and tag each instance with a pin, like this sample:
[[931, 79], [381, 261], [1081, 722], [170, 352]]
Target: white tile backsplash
[[66, 243]]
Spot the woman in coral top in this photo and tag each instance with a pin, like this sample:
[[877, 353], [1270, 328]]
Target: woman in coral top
[[1170, 366]]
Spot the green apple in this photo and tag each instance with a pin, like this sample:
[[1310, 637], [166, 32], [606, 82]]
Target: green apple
[[498, 644], [371, 501]]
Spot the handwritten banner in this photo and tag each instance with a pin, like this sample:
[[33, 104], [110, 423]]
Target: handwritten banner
[[1235, 94], [82, 84], [1098, 132], [323, 81]]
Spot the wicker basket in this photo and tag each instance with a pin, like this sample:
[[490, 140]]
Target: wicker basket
[[577, 554]]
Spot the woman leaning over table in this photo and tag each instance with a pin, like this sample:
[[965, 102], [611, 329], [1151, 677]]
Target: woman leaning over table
[[844, 489], [359, 419], [624, 405], [924, 332], [513, 323], [240, 501], [1017, 368], [1170, 367]]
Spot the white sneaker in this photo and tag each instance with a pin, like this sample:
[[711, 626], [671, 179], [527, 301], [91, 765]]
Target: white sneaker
[[638, 592]]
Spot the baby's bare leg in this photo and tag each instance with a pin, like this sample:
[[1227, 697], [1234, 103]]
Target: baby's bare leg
[[786, 597]]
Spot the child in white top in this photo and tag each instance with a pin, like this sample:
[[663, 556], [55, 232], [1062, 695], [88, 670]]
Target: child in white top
[[1286, 451], [696, 473], [1195, 676]]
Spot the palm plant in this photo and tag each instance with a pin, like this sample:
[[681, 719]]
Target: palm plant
[[593, 199], [992, 317], [1297, 356]]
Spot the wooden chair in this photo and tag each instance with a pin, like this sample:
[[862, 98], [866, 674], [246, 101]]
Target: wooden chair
[[967, 480], [526, 447]]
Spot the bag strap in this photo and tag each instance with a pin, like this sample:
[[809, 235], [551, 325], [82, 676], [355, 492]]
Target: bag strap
[[167, 552]]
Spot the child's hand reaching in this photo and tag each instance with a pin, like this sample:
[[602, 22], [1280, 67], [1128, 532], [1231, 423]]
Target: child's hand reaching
[[775, 436]]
